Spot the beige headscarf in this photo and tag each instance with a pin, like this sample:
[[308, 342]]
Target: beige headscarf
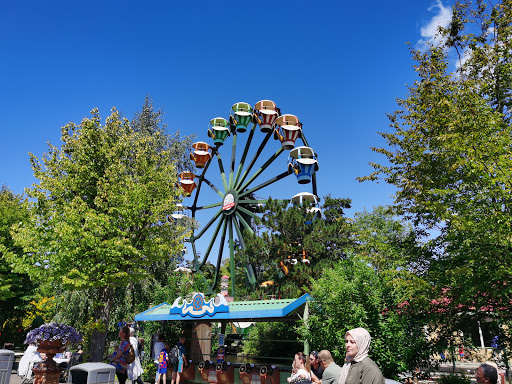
[[362, 339]]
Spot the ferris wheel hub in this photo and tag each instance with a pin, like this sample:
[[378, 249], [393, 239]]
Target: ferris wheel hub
[[230, 202]]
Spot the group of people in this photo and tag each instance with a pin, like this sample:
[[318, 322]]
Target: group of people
[[162, 353], [321, 368], [358, 368]]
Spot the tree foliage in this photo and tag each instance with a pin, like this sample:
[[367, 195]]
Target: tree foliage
[[450, 156], [350, 294], [17, 290], [102, 212], [293, 247]]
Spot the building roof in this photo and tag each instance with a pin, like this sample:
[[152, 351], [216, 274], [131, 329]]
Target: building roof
[[261, 310]]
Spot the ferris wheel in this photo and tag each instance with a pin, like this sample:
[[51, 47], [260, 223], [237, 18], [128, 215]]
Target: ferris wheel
[[231, 205]]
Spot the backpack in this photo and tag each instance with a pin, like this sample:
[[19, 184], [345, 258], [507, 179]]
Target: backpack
[[174, 355], [130, 357]]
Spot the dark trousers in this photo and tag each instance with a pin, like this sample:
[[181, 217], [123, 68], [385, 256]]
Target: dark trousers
[[121, 377], [138, 381]]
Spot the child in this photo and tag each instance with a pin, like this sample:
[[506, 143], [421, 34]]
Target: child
[[163, 359]]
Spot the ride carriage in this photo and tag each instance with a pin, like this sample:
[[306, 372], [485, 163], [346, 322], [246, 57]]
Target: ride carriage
[[303, 163], [219, 131], [266, 114], [202, 154], [187, 182], [301, 197], [242, 116], [178, 213], [288, 130]]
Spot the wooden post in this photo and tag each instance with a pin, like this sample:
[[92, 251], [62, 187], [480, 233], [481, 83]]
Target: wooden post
[[201, 341]]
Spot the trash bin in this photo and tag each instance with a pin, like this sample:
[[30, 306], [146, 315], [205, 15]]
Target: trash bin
[[6, 361], [92, 373]]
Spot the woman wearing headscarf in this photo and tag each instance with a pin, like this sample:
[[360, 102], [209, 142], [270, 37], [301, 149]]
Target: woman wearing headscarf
[[358, 367]]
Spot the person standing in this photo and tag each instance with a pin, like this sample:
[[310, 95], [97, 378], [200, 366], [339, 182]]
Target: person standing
[[316, 367], [134, 370], [163, 361], [118, 359], [157, 348], [331, 369], [182, 361], [358, 367]]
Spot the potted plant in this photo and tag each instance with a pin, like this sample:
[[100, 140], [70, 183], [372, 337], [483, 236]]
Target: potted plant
[[51, 338]]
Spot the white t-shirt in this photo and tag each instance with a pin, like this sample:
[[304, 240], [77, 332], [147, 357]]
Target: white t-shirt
[[301, 372]]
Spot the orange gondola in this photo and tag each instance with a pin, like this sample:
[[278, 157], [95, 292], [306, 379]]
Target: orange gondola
[[187, 182], [202, 154]]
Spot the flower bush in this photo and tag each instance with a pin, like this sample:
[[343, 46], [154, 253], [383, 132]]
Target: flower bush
[[52, 332]]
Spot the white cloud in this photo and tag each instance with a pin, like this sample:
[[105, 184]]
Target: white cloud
[[429, 31]]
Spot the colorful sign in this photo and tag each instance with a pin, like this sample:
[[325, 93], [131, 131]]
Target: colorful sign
[[221, 351], [198, 307]]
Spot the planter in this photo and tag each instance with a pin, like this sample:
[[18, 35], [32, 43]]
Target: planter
[[48, 372]]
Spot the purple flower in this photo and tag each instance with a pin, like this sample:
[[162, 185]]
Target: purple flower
[[52, 332]]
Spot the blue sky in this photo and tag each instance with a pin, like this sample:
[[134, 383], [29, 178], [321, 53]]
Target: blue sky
[[338, 66]]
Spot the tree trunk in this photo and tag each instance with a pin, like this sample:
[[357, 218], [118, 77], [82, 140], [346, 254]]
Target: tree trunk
[[102, 318]]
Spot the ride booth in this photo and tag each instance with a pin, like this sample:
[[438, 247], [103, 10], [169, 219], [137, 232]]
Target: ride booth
[[226, 365]]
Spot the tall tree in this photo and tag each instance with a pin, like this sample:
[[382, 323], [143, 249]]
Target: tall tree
[[16, 289], [450, 154], [102, 213]]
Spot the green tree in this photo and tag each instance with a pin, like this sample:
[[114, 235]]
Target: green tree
[[16, 289], [450, 157], [293, 247], [350, 294], [149, 122], [102, 213]]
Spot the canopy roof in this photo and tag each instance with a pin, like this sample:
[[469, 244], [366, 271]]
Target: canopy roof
[[218, 309]]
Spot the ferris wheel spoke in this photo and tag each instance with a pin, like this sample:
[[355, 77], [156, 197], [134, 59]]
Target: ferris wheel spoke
[[209, 224], [233, 156], [263, 167], [246, 225], [244, 155], [303, 138], [247, 212], [255, 157], [313, 180], [194, 251], [200, 182], [212, 186], [219, 257], [231, 252], [210, 206], [222, 173], [261, 202], [212, 241], [263, 185], [239, 234]]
